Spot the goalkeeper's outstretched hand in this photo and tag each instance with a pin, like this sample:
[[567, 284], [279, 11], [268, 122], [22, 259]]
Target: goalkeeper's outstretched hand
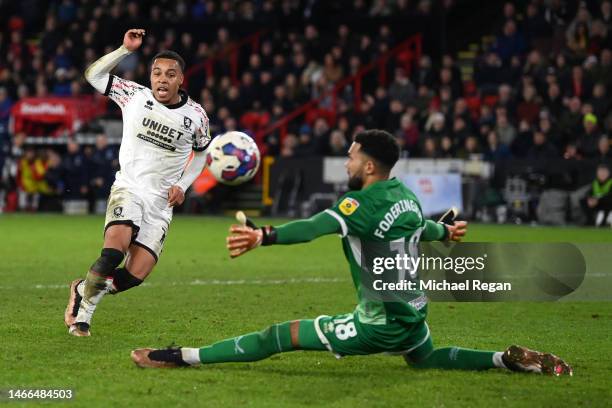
[[242, 239], [456, 231]]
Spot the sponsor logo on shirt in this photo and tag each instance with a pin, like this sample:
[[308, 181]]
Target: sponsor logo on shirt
[[149, 105], [348, 206]]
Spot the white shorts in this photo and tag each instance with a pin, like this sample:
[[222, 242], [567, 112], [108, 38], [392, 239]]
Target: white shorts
[[149, 217]]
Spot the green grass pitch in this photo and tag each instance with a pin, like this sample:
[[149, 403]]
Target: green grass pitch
[[197, 295]]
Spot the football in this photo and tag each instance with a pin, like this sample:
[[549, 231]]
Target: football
[[233, 158]]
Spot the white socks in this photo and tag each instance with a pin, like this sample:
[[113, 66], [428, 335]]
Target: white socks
[[190, 355], [497, 360], [88, 306]]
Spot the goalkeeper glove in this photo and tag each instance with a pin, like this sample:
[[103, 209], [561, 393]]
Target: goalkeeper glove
[[454, 230], [248, 236]]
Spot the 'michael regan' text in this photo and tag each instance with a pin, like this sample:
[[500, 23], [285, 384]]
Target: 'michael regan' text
[[444, 285]]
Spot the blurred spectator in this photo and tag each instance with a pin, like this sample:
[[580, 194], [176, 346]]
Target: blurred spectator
[[578, 39], [571, 120], [106, 163], [435, 125], [408, 134], [320, 137], [338, 145], [62, 85], [603, 148], [504, 129], [289, 145], [541, 149], [529, 108], [470, 149], [401, 88], [488, 73], [5, 110], [306, 146], [537, 29], [380, 8], [332, 71], [580, 86], [553, 101], [75, 171], [30, 180], [606, 13], [509, 43], [598, 201], [429, 149], [51, 199], [495, 150], [424, 74], [447, 149], [600, 101], [589, 140]]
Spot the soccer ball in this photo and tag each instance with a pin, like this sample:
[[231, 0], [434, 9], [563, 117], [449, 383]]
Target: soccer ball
[[233, 158]]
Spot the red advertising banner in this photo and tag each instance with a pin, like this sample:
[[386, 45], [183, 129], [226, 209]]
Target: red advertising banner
[[54, 116]]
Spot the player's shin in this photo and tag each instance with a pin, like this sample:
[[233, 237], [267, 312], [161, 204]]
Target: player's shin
[[425, 356], [250, 347], [97, 282], [278, 338]]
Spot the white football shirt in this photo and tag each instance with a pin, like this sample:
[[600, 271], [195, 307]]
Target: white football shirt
[[157, 138]]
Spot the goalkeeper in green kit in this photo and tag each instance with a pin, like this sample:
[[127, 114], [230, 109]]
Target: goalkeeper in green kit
[[376, 209]]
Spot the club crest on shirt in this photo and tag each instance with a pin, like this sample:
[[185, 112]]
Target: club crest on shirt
[[187, 123], [118, 212], [348, 206]]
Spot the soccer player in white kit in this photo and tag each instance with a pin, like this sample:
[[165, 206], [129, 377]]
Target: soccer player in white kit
[[161, 128]]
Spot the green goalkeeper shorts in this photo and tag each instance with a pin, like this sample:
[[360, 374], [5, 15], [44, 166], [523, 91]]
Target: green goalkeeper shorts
[[344, 335]]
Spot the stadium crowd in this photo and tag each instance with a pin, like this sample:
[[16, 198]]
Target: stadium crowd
[[540, 90]]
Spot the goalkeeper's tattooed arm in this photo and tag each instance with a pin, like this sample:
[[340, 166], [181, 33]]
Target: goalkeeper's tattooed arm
[[245, 237]]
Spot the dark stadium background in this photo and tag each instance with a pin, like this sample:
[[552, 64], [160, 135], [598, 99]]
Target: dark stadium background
[[513, 96], [59, 155]]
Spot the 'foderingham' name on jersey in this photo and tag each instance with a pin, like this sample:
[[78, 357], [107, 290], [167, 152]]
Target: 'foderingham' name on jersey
[[394, 212]]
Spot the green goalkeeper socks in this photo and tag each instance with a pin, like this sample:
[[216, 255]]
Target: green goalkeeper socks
[[249, 347], [457, 358], [258, 345]]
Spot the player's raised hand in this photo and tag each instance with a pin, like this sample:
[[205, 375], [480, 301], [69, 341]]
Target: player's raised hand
[[457, 231], [243, 239], [133, 38], [176, 196]]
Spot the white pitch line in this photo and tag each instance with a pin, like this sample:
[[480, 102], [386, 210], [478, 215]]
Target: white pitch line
[[238, 282], [199, 282]]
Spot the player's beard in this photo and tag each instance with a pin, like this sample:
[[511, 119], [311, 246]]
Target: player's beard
[[355, 182]]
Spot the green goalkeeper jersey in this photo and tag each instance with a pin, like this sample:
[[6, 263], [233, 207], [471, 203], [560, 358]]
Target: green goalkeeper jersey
[[386, 213]]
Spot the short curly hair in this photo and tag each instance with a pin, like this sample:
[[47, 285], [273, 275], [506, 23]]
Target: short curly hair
[[380, 145]]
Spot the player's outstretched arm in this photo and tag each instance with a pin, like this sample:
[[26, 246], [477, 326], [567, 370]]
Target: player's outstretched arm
[[97, 74], [247, 236], [176, 194]]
